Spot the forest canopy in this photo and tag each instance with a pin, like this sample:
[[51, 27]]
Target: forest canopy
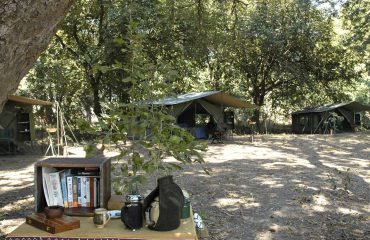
[[282, 55]]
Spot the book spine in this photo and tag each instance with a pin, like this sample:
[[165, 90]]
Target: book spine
[[75, 192], [95, 193], [79, 201], [83, 192], [98, 192], [63, 182], [88, 192], [91, 186], [70, 191]]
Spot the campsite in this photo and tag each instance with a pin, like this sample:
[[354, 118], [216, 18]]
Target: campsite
[[279, 187], [191, 119]]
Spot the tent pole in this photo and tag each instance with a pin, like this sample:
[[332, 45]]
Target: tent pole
[[58, 140]]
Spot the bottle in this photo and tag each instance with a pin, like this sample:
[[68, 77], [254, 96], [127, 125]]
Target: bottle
[[132, 212]]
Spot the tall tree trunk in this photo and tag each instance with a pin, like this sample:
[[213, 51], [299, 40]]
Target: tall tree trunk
[[94, 81], [258, 99], [26, 28], [97, 105]]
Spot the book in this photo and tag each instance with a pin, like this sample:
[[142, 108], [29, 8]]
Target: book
[[54, 225], [91, 186], [79, 201], [63, 181], [95, 193], [56, 189], [83, 192], [87, 173], [70, 191], [88, 192], [75, 192], [46, 184]]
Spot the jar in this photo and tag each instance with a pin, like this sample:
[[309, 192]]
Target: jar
[[186, 209]]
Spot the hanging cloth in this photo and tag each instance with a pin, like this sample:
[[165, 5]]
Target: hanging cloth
[[215, 111]]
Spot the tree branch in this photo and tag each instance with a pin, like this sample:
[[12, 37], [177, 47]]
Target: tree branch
[[64, 46], [101, 22]]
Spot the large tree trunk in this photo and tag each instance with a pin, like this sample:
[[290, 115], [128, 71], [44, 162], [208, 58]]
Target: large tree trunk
[[258, 99], [26, 27]]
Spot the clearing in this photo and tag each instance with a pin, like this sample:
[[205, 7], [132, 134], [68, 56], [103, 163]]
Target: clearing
[[278, 187]]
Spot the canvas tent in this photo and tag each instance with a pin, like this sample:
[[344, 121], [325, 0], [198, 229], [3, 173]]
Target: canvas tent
[[186, 107], [318, 119], [17, 122]]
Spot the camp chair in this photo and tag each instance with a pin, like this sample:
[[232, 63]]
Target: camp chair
[[217, 136], [51, 147]]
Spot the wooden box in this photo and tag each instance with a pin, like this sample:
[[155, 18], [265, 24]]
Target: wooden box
[[54, 225], [102, 165]]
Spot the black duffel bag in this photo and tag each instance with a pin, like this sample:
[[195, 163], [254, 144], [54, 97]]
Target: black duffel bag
[[171, 202]]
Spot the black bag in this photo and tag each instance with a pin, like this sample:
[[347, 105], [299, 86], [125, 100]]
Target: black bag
[[171, 202]]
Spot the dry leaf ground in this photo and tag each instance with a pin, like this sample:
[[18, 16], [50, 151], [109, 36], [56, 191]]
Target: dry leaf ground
[[278, 187]]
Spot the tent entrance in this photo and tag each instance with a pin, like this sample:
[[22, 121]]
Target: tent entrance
[[196, 119], [195, 111]]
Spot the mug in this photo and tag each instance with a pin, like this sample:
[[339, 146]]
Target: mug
[[101, 217]]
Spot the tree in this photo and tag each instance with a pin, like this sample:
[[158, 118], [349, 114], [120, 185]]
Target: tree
[[52, 77], [356, 18], [26, 30], [284, 47], [87, 35]]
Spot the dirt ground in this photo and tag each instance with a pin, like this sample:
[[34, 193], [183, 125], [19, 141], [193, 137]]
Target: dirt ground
[[278, 187]]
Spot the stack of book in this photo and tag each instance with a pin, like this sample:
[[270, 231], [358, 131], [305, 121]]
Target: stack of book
[[71, 188]]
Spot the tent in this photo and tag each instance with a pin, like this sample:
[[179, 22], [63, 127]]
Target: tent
[[318, 119], [185, 108], [17, 122]]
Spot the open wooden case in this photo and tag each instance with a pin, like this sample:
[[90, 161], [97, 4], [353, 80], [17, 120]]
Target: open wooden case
[[102, 166]]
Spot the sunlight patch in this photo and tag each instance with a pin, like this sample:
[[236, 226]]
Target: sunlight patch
[[236, 203], [347, 211], [11, 224], [17, 205], [281, 165]]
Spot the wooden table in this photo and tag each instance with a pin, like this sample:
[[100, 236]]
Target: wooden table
[[114, 230]]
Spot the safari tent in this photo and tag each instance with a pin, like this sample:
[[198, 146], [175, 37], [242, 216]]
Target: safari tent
[[198, 110], [17, 122], [338, 117]]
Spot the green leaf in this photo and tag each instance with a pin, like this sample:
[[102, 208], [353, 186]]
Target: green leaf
[[127, 80], [118, 41], [176, 166], [89, 150]]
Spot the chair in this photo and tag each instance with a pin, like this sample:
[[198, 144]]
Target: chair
[[218, 136]]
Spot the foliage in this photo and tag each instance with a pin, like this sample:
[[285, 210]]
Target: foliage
[[52, 78], [154, 136], [278, 54], [355, 15], [285, 49]]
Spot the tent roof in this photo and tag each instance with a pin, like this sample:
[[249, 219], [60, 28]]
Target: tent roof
[[28, 101], [216, 97], [353, 106]]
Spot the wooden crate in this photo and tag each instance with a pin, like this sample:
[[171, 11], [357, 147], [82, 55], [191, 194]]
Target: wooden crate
[[104, 167]]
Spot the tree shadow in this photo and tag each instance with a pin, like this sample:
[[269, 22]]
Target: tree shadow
[[287, 196], [274, 188]]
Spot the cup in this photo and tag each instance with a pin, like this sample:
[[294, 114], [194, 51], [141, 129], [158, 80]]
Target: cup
[[101, 217]]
